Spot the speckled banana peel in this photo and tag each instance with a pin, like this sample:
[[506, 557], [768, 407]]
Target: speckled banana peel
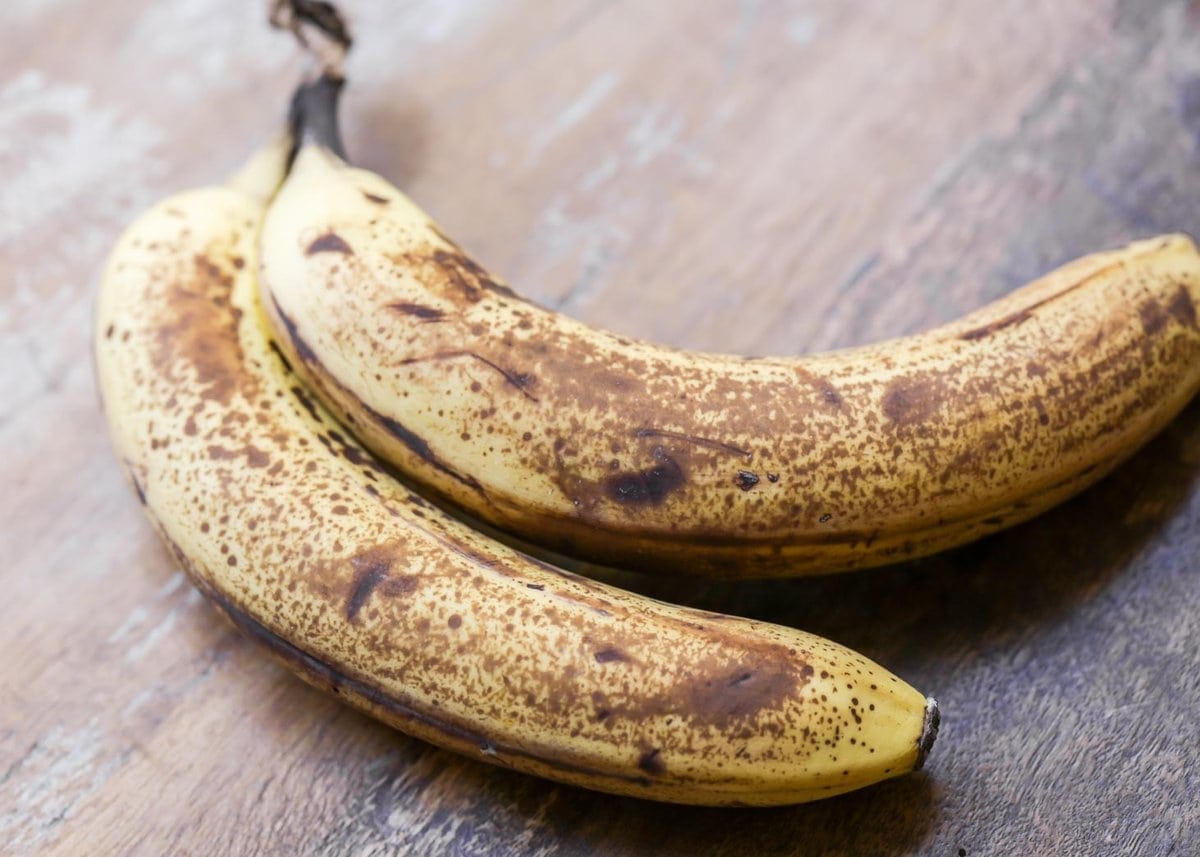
[[632, 454], [371, 592]]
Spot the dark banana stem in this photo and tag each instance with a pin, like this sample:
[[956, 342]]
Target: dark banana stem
[[320, 29], [314, 114], [308, 18]]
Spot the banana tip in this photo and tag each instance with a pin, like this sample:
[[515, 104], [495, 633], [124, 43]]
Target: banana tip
[[929, 731]]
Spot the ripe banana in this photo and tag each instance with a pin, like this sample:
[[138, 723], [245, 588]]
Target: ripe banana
[[634, 454], [368, 590]]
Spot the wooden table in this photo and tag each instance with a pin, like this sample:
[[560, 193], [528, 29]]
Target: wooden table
[[768, 177]]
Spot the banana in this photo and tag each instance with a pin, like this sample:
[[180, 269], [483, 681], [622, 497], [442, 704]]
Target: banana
[[369, 591], [628, 453]]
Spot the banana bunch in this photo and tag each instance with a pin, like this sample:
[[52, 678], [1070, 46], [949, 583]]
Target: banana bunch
[[632, 454], [230, 318], [302, 539]]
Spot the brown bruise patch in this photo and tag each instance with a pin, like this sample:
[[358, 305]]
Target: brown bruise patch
[[330, 242], [911, 400], [199, 329], [1182, 308], [1153, 317], [467, 276], [652, 762], [649, 487], [375, 198], [728, 691], [740, 695]]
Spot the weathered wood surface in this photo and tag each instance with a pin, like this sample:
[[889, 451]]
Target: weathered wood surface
[[768, 177]]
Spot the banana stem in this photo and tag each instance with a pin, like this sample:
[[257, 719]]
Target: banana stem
[[314, 114], [319, 28]]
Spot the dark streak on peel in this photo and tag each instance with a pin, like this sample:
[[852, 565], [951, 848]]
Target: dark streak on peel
[[137, 487], [444, 238], [329, 676], [424, 313], [303, 350], [519, 380], [306, 402], [274, 346], [419, 447], [369, 573], [1026, 313], [691, 438], [464, 272]]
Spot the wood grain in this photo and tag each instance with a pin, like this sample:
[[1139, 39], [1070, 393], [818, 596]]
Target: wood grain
[[768, 177]]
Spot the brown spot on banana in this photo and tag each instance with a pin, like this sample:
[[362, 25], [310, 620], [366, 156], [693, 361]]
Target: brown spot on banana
[[652, 762], [370, 572], [424, 313], [197, 300], [913, 400], [746, 479], [609, 655], [329, 242], [650, 486], [1182, 307]]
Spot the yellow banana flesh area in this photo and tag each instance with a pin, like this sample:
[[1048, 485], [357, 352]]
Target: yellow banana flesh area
[[371, 592], [629, 453]]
